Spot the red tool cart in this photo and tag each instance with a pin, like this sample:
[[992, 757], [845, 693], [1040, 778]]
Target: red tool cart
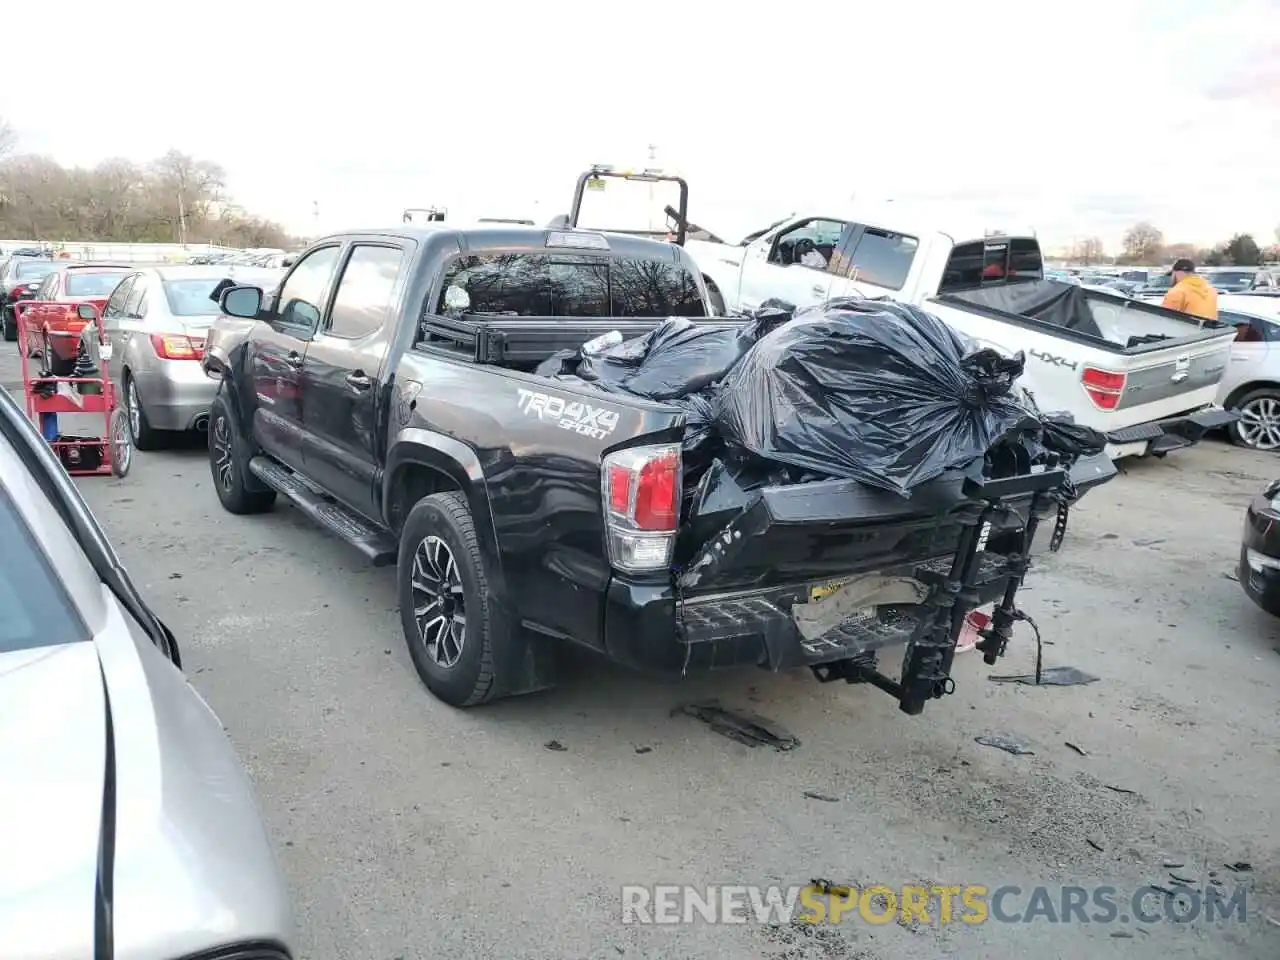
[[88, 390]]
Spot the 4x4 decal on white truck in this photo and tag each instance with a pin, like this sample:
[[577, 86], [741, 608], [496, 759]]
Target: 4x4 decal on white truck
[[1049, 358], [573, 415]]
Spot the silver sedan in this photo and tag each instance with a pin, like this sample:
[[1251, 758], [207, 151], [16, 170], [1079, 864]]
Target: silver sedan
[[128, 827], [156, 321]]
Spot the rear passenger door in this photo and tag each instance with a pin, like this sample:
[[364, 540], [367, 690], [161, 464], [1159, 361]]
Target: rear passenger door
[[342, 437]]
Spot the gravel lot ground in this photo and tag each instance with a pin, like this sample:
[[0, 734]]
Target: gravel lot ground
[[410, 830]]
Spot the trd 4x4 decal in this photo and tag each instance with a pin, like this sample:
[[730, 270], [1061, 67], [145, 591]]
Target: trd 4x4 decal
[[574, 415]]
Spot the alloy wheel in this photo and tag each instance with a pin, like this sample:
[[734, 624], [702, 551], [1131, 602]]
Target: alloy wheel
[[222, 463], [1259, 423], [439, 606]]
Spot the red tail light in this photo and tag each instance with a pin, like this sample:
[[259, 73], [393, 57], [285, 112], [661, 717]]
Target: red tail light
[[1104, 387], [177, 346], [17, 291], [642, 505]]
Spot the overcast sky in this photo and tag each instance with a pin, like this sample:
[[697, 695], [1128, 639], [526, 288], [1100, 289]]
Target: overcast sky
[[1077, 119]]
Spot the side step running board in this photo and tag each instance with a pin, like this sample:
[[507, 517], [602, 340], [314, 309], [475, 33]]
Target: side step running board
[[377, 545]]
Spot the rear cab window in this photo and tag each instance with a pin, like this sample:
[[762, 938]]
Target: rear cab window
[[572, 285], [982, 263], [35, 610]]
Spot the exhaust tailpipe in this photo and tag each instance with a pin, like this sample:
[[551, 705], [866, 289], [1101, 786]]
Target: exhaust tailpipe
[[201, 423]]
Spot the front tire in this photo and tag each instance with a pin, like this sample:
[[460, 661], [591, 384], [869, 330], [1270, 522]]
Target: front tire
[[10, 325], [458, 637], [1259, 423], [229, 455]]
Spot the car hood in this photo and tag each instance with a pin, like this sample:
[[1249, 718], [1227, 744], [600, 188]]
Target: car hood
[[193, 867], [52, 752]]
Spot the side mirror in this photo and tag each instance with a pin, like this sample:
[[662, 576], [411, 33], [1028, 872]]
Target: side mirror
[[456, 300], [242, 302], [86, 312]]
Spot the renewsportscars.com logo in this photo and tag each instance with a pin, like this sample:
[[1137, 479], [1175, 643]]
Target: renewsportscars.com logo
[[937, 904]]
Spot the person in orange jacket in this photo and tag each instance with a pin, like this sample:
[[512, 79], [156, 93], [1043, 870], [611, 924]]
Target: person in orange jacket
[[1190, 292]]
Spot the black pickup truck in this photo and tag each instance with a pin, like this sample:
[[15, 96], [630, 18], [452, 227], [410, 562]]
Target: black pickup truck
[[387, 388]]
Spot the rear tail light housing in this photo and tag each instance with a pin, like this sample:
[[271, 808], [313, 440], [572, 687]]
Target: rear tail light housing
[[1104, 387], [177, 346], [641, 490]]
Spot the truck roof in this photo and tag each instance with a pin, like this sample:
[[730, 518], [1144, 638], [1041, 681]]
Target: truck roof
[[513, 237]]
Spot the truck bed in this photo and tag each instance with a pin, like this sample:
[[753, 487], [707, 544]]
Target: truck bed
[[1111, 322], [521, 343]]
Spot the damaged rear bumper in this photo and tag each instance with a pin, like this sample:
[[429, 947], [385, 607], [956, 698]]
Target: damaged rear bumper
[[921, 607], [1160, 436]]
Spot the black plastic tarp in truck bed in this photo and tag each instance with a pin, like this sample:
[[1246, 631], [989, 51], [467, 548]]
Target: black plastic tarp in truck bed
[[1061, 304]]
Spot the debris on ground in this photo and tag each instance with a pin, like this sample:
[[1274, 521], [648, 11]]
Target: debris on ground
[[1072, 746], [1114, 789], [555, 745], [1007, 744], [824, 797], [1049, 677], [1095, 844], [644, 749], [1230, 575], [745, 728], [1240, 866]]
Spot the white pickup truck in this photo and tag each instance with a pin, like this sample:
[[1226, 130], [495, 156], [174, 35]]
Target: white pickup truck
[[1144, 376]]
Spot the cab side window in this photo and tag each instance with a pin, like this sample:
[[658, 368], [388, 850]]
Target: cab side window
[[301, 299], [134, 302], [811, 244], [365, 291], [882, 258], [48, 289], [115, 303]]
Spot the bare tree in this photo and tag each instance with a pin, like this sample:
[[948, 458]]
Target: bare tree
[[176, 197], [9, 141], [1142, 243]]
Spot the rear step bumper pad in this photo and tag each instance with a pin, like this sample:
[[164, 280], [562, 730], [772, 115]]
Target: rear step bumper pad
[[760, 628], [378, 546], [1181, 431]]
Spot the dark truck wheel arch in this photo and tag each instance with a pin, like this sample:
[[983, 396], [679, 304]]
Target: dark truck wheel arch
[[421, 463]]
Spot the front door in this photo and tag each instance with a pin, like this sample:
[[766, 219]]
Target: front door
[[278, 350], [343, 375], [795, 264]]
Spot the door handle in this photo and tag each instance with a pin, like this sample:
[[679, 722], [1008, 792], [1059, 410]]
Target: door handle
[[357, 380], [294, 358]]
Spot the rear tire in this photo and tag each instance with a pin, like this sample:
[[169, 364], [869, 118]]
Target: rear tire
[[145, 437], [1259, 425], [441, 580], [229, 454], [10, 325]]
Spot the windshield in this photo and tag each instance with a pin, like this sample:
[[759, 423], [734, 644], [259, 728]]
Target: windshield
[[190, 297], [34, 609], [33, 269], [1160, 283], [83, 283], [1231, 279]]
